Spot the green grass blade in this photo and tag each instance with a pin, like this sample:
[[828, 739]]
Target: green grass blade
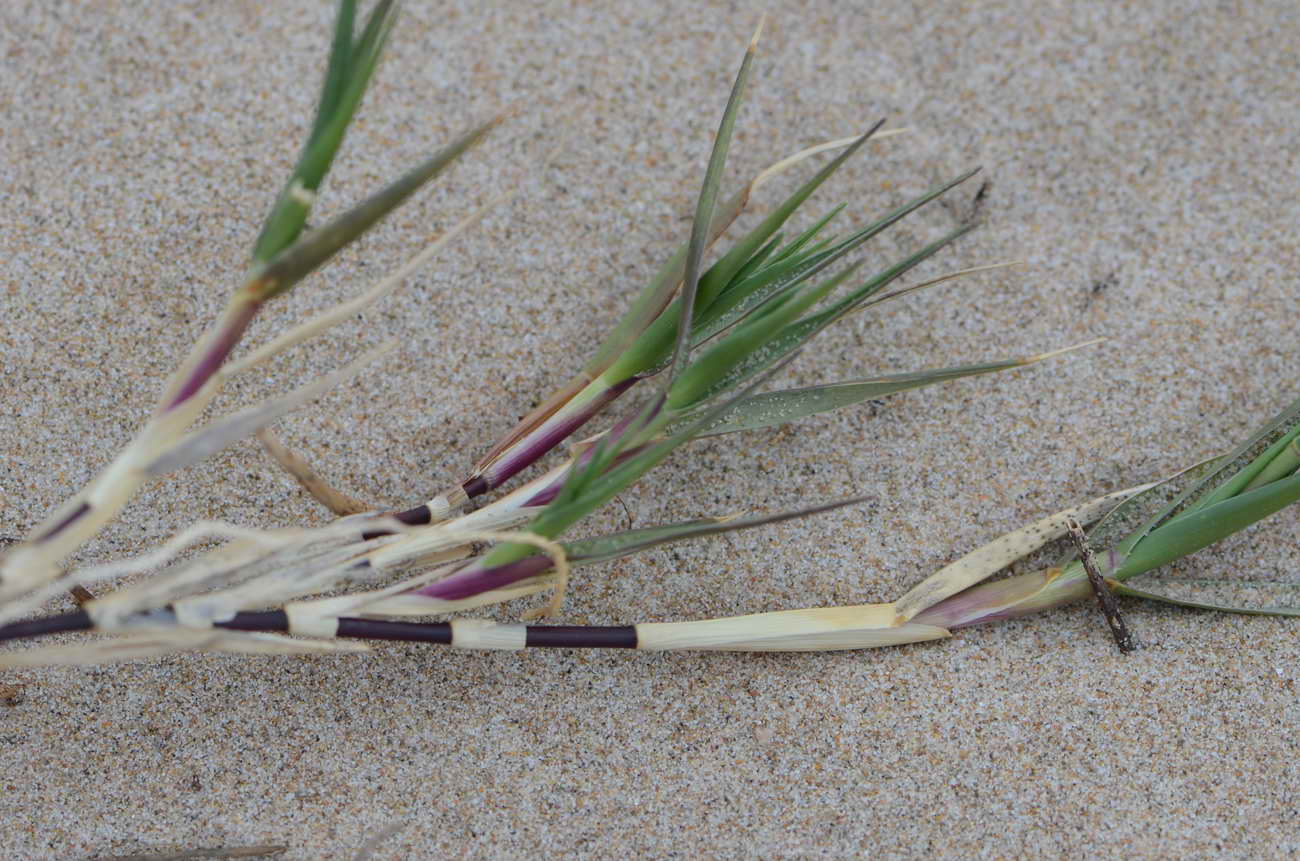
[[656, 295], [743, 343], [748, 294], [557, 516], [1121, 521], [653, 348], [336, 73], [615, 480], [607, 450], [1204, 526], [1199, 488], [303, 257], [774, 408], [763, 255], [1200, 507], [734, 303], [620, 544], [1253, 457], [799, 333], [367, 49], [722, 273], [1245, 597], [346, 80], [1280, 465], [1230, 592], [858, 298], [605, 548], [362, 62], [704, 208], [823, 245], [802, 240]]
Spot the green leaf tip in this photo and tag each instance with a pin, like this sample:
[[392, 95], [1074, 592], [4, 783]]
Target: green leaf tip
[[774, 408], [620, 544], [700, 226], [313, 249], [351, 65]]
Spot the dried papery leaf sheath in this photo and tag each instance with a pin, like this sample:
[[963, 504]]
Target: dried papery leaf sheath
[[979, 565]]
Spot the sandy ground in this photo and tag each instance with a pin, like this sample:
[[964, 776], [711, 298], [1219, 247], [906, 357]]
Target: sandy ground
[[1139, 156]]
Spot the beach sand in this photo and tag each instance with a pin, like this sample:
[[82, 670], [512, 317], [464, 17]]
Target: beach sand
[[1139, 157]]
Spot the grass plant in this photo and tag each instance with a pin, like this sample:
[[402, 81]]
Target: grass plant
[[692, 357]]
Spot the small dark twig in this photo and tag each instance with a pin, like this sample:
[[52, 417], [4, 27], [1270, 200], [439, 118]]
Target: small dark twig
[[222, 852], [11, 695], [978, 201], [626, 511], [1105, 597]]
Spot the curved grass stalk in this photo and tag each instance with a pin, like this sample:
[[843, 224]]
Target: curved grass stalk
[[775, 169], [929, 612]]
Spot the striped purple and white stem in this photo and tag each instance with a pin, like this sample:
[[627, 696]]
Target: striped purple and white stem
[[821, 629], [532, 495], [818, 629], [528, 450]]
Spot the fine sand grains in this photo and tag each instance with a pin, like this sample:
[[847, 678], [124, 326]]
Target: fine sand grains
[[1140, 157]]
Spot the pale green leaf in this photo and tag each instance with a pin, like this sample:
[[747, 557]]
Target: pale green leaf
[[774, 408]]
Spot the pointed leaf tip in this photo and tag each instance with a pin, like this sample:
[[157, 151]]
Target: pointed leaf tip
[[313, 249], [700, 228], [873, 133], [1052, 354]]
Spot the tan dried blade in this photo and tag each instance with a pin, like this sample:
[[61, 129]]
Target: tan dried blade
[[983, 563]]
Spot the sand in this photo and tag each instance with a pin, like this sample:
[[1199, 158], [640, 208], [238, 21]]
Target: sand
[[1139, 157]]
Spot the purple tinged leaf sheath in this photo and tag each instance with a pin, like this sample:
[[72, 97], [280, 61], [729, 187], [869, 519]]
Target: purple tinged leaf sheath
[[561, 424], [1008, 599], [475, 579], [233, 329]]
